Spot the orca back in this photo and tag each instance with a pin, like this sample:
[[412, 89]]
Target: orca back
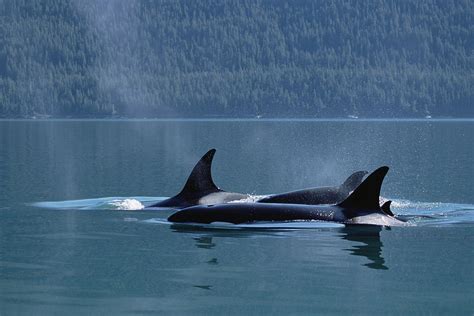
[[321, 195]]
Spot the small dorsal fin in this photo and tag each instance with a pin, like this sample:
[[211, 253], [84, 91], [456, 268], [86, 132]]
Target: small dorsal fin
[[386, 208], [200, 179], [366, 195], [352, 182]]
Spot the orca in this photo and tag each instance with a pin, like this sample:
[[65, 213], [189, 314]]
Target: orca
[[322, 195], [360, 207], [200, 188]]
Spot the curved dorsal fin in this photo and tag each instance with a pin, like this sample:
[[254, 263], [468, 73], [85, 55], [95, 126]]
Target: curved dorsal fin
[[386, 208], [200, 179], [366, 195], [352, 182]]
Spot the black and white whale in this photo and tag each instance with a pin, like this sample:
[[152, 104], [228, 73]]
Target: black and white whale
[[321, 195], [200, 188], [361, 207]]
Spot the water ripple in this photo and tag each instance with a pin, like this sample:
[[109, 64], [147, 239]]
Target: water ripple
[[419, 213]]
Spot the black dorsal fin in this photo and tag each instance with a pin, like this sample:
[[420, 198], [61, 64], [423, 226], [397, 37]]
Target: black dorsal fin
[[200, 179], [386, 208], [352, 182], [366, 195]]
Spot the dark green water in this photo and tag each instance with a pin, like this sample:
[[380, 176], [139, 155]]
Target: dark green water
[[66, 247]]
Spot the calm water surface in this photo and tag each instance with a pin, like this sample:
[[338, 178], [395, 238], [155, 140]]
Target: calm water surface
[[68, 247]]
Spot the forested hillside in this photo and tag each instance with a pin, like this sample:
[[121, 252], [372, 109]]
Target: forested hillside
[[225, 58]]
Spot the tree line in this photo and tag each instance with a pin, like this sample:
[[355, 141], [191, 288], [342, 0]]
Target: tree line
[[224, 58]]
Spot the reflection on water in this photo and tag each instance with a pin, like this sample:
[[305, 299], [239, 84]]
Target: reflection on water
[[364, 239], [204, 287], [213, 261], [204, 242], [369, 244]]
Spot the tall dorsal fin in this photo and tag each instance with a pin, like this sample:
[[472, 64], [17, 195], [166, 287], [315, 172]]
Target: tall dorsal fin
[[386, 208], [200, 179], [352, 182], [366, 195]]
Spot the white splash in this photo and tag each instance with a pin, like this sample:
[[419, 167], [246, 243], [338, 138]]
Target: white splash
[[104, 203], [249, 199], [127, 204]]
